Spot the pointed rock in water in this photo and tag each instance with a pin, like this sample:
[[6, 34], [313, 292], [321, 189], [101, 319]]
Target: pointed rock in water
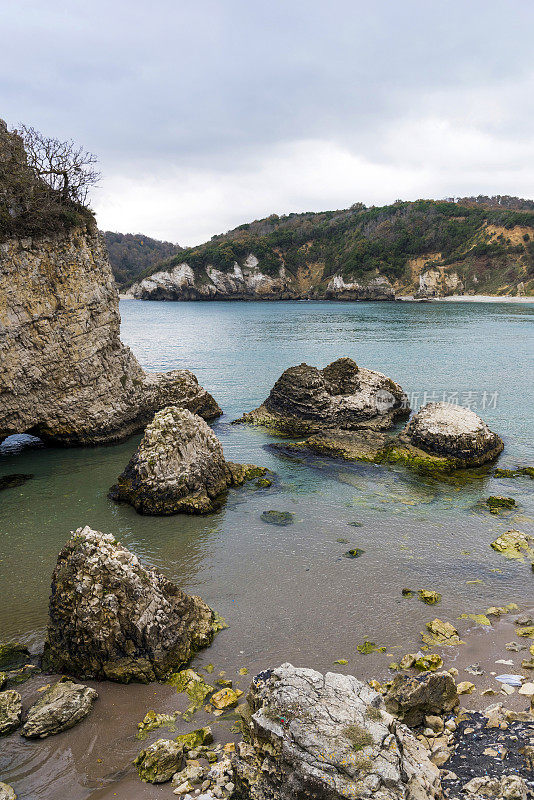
[[60, 708], [327, 736], [453, 432], [66, 376], [179, 467], [342, 395], [413, 698], [111, 618], [10, 711]]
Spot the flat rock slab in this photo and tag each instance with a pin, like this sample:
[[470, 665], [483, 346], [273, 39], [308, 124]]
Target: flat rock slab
[[61, 707]]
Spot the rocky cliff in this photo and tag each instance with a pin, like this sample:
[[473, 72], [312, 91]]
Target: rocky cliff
[[426, 248], [66, 376]]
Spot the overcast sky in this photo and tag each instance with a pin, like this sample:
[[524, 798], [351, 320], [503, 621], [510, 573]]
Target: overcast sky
[[207, 114]]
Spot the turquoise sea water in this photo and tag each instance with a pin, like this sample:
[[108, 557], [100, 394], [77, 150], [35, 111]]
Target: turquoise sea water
[[287, 592]]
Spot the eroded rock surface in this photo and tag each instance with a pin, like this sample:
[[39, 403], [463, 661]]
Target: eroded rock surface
[[10, 711], [327, 736], [179, 467], [110, 617], [7, 792], [158, 762], [66, 376], [413, 698], [453, 432], [341, 396], [60, 708]]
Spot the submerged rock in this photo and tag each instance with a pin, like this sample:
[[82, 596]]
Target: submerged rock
[[494, 501], [515, 473], [277, 517], [413, 698], [326, 736], [342, 395], [12, 481], [60, 708], [13, 655], [453, 432], [158, 762], [111, 618], [10, 711], [179, 467]]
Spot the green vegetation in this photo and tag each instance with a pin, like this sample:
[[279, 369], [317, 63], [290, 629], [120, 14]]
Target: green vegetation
[[358, 736], [132, 253], [360, 242]]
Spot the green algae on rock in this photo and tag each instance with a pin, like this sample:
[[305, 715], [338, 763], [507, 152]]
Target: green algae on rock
[[514, 545], [429, 596], [277, 517], [179, 468], [440, 633], [130, 623], [158, 762], [194, 686], [194, 739], [12, 481], [495, 502], [355, 552], [515, 473], [480, 619], [370, 647], [13, 655], [152, 721]]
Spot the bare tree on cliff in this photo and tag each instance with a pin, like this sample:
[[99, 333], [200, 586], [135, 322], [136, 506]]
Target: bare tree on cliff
[[68, 169]]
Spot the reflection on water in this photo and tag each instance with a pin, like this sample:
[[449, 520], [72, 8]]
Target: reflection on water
[[287, 592]]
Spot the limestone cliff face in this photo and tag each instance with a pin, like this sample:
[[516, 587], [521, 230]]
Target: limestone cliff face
[[65, 375], [247, 282]]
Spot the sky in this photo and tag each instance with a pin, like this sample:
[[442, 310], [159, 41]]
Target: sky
[[206, 114]]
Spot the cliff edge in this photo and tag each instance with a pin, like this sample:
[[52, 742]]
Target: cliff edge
[[66, 376]]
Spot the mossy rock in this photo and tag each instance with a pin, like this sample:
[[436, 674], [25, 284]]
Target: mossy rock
[[278, 517], [441, 633], [194, 686], [480, 619], [358, 736], [152, 721], [197, 738], [429, 596], [495, 502], [367, 648], [356, 552], [515, 473], [225, 698], [159, 761], [514, 545], [13, 655]]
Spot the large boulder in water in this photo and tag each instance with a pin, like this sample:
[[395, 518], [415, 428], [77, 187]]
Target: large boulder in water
[[343, 395], [110, 617], [179, 467], [453, 432], [327, 737]]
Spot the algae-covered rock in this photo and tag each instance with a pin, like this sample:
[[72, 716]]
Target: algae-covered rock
[[355, 552], [7, 792], [225, 698], [13, 655], [61, 707], [305, 400], [179, 467], [277, 517], [194, 686], [429, 596], [14, 480], [10, 711], [197, 738], [515, 473], [453, 432], [441, 633], [324, 737], [413, 698], [515, 545], [366, 648], [158, 762], [424, 662], [152, 721], [496, 502], [112, 618], [480, 619]]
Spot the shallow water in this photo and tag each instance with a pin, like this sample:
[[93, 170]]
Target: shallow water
[[287, 592]]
